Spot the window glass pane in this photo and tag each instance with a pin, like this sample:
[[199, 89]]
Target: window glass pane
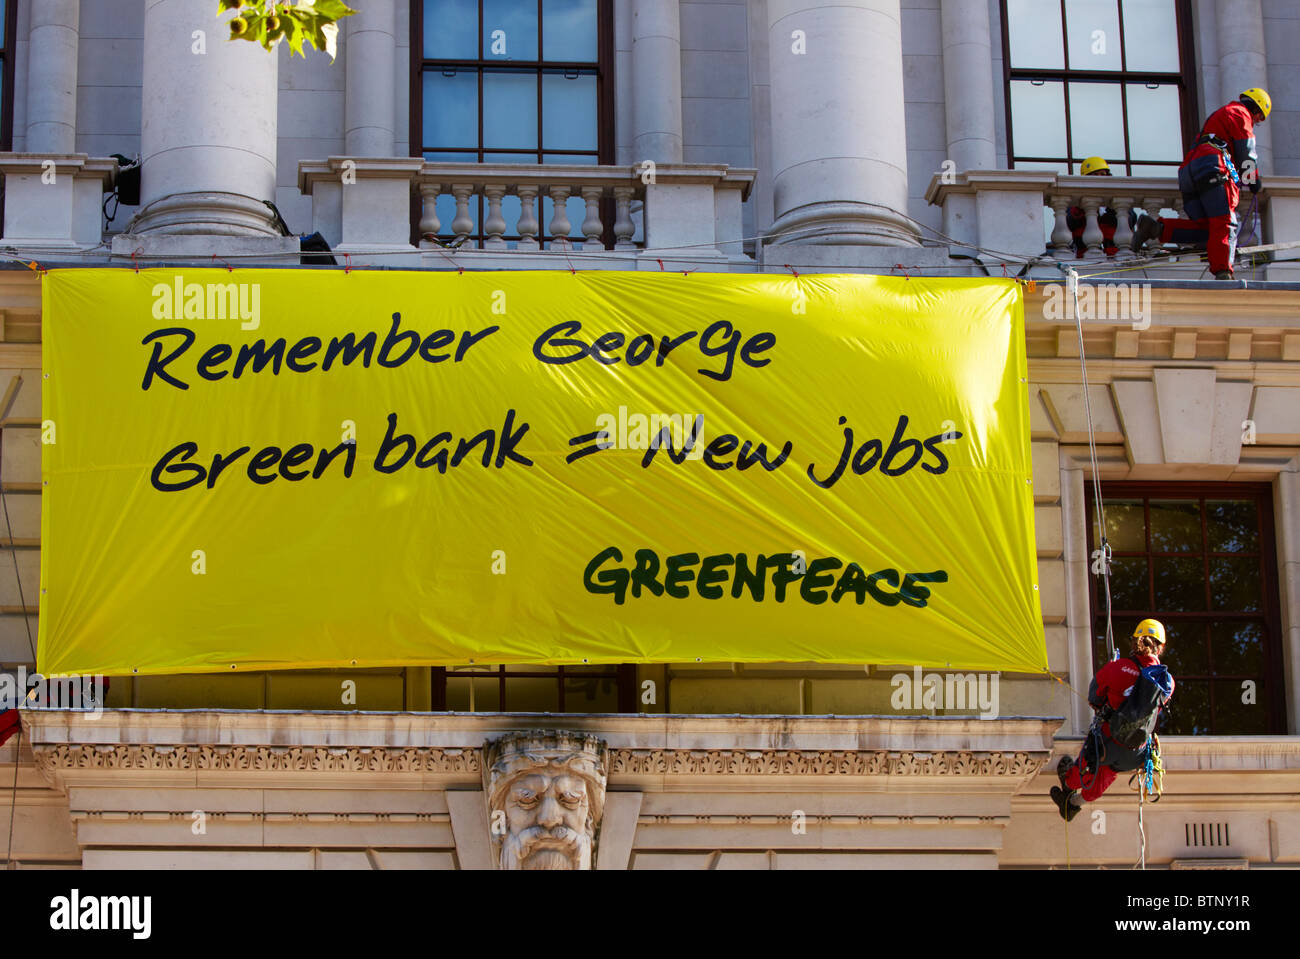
[[1232, 525], [1042, 165], [1150, 169], [450, 108], [450, 29], [533, 695], [1038, 118], [1234, 583], [450, 156], [569, 111], [1154, 125], [1151, 36], [509, 109], [1128, 583], [487, 693], [1189, 710], [1175, 526], [589, 694], [1092, 27], [1232, 717], [1094, 108], [1238, 647], [569, 30], [509, 30], [1124, 525], [1186, 653], [1034, 34], [1180, 583]]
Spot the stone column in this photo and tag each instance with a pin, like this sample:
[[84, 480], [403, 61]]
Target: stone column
[[839, 153], [1243, 64], [656, 81], [968, 85], [208, 131], [52, 77], [369, 47]]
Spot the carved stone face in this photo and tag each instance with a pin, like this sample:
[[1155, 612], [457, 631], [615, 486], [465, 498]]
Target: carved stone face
[[545, 792], [546, 815]]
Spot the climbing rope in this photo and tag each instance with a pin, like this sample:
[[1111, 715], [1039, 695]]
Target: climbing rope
[[1142, 831], [1105, 551]]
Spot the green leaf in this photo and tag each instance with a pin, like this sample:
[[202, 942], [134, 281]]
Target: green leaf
[[332, 9]]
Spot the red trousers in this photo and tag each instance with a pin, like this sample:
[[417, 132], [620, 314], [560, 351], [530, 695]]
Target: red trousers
[[1218, 234], [1080, 777]]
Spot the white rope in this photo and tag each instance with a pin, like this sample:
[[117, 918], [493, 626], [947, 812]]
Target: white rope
[[1142, 831], [1072, 282]]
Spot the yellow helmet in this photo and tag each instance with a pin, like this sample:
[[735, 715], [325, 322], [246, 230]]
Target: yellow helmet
[[1151, 627], [1259, 99], [1094, 165]]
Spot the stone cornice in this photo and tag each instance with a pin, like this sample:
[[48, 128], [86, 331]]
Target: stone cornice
[[56, 759], [372, 750], [342, 730]]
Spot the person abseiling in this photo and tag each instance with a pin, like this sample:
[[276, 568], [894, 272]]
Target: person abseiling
[[1210, 178], [1127, 696], [1076, 219]]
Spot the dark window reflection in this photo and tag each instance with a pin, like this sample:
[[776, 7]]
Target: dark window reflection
[[1198, 564]]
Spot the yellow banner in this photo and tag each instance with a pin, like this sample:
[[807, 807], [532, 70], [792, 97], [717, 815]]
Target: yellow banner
[[265, 469]]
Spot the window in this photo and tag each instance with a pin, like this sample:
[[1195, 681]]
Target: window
[[535, 689], [1109, 78], [1201, 559], [512, 81]]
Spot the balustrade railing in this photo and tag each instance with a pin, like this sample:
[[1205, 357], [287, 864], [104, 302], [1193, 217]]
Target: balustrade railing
[[1124, 197], [607, 194]]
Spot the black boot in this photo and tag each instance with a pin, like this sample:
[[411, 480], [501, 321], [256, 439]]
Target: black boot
[[1148, 228], [1063, 770], [1063, 805]]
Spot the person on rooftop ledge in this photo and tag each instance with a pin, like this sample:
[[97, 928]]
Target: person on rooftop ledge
[[1222, 158], [1076, 219], [1127, 695]]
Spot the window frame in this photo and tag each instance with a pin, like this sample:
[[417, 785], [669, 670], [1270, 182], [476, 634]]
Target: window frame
[[1185, 78], [1274, 686], [604, 66], [7, 73], [625, 680], [605, 91]]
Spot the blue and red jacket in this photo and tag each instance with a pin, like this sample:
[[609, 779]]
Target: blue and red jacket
[[1114, 681]]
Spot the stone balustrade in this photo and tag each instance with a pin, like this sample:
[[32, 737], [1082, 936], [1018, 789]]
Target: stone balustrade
[[1024, 213], [361, 205], [530, 183]]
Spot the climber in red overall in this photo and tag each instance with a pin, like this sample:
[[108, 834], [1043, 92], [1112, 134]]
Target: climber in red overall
[[1119, 740], [1222, 159], [1076, 218]]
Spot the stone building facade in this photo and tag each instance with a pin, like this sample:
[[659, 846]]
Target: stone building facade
[[932, 137]]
